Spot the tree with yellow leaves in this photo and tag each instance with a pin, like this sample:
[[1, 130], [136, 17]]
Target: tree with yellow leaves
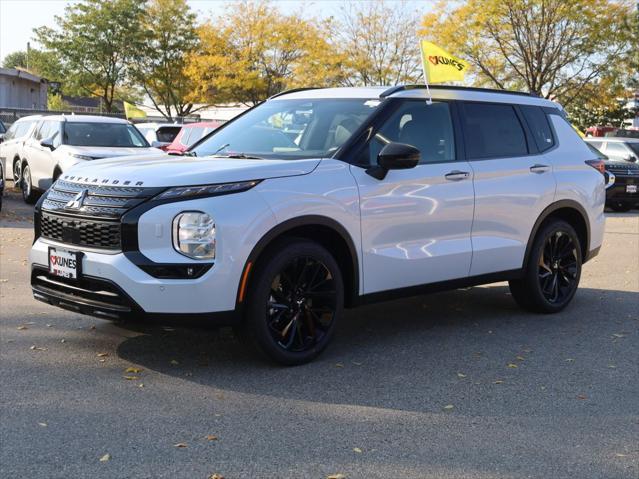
[[554, 48]]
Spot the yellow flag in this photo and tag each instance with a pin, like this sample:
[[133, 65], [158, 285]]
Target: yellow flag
[[132, 111], [439, 65]]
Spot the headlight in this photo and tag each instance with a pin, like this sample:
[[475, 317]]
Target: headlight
[[82, 157], [194, 235], [188, 192]]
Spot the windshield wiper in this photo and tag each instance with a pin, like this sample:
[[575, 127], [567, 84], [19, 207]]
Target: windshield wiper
[[240, 156]]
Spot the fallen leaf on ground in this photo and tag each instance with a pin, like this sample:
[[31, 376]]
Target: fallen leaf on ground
[[133, 370], [357, 364], [180, 445], [102, 355], [216, 476], [339, 365], [461, 375], [449, 406], [581, 396], [21, 328], [336, 476], [617, 335], [511, 365], [499, 381], [569, 360], [620, 455], [210, 437], [520, 358], [131, 378], [357, 450], [43, 424], [105, 458], [141, 385], [36, 348]]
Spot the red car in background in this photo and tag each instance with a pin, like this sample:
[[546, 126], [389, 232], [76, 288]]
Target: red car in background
[[191, 133]]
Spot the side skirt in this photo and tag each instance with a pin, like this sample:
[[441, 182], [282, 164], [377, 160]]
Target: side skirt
[[439, 286]]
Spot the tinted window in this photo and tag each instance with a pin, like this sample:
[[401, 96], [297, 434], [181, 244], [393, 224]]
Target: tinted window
[[102, 134], [167, 134], [492, 130], [428, 128], [634, 147], [539, 126]]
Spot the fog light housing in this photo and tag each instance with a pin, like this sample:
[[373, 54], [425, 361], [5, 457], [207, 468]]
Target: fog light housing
[[194, 235]]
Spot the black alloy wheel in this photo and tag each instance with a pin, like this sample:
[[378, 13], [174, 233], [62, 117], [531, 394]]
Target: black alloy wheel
[[552, 270], [294, 301]]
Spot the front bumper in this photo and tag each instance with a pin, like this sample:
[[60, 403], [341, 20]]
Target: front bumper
[[618, 191], [111, 286]]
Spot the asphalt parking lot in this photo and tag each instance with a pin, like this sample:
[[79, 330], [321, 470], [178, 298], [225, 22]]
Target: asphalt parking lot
[[454, 385]]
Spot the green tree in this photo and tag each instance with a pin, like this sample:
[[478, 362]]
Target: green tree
[[39, 62], [554, 48], [170, 36], [97, 42], [254, 51]]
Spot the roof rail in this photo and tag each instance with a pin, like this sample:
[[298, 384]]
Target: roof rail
[[293, 90], [397, 88]]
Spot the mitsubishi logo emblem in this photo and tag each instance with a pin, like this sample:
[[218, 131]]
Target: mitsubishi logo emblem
[[77, 201]]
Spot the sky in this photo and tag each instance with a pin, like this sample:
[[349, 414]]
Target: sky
[[18, 18]]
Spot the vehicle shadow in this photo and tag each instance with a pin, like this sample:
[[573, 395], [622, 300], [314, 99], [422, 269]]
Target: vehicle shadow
[[409, 354], [15, 212]]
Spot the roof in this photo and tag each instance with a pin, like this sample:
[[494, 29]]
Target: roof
[[157, 125], [438, 92], [212, 123], [23, 74], [85, 118]]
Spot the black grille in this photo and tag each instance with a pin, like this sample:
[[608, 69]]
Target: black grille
[[81, 232], [623, 170]]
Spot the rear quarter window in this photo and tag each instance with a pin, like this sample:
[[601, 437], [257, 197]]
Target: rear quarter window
[[539, 126], [492, 130]]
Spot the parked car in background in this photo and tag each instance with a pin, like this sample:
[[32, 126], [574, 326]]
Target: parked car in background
[[622, 180], [620, 149], [624, 133], [159, 135], [3, 130], [59, 142], [378, 193], [12, 146], [190, 134], [598, 131]]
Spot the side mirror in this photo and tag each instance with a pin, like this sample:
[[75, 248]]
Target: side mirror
[[48, 143], [1, 137], [394, 156], [631, 158]]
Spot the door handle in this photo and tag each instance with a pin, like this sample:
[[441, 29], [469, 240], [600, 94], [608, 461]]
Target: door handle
[[537, 168], [457, 175]]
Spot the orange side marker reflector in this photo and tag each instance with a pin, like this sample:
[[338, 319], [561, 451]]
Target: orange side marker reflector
[[249, 265]]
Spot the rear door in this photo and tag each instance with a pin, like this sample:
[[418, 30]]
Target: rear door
[[513, 179], [416, 223]]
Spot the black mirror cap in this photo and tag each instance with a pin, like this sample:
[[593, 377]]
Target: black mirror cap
[[398, 156], [47, 143]]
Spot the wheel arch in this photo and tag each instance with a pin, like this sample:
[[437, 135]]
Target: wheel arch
[[321, 229], [571, 212]]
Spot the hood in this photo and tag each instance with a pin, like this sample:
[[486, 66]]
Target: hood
[[109, 151], [166, 170]]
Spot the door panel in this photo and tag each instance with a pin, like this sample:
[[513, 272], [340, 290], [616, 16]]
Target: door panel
[[415, 226]]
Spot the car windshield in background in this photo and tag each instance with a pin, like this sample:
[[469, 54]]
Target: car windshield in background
[[103, 134], [290, 129], [166, 134]]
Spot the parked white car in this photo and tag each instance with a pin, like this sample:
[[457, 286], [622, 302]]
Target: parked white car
[[159, 135], [379, 194], [12, 146], [59, 142]]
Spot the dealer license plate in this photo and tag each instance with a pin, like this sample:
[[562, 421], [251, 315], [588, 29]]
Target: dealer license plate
[[631, 188], [64, 263]]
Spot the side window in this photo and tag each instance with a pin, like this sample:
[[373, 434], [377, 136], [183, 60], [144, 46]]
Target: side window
[[11, 132], [40, 130], [429, 128], [539, 126], [492, 130]]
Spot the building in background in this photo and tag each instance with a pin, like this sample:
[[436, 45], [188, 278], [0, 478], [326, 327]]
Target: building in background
[[20, 89]]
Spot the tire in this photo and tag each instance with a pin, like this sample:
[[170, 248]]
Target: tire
[[29, 194], [295, 300], [620, 206], [549, 284]]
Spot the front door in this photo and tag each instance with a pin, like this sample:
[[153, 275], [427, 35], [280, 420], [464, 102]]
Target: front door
[[416, 223]]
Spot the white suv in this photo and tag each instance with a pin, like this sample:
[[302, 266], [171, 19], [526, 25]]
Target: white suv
[[58, 142], [321, 199]]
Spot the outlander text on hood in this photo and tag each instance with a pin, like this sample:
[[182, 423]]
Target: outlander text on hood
[[323, 199]]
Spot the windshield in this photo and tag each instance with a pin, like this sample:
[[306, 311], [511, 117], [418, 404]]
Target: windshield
[[103, 134], [290, 129], [634, 147]]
